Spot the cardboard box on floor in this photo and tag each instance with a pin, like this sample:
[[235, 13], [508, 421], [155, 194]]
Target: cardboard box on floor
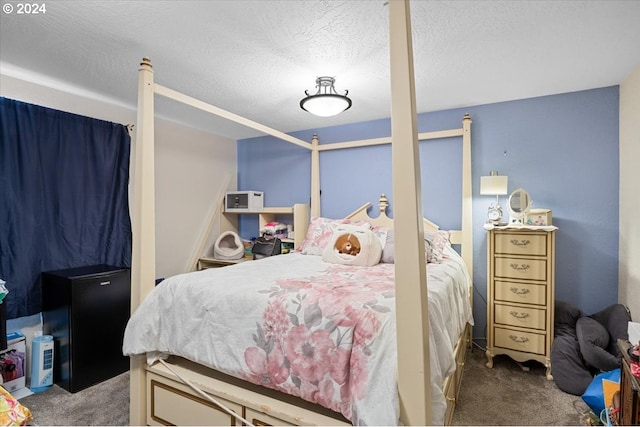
[[13, 362]]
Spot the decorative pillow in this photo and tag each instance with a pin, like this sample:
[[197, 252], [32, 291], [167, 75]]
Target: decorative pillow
[[437, 240], [353, 245], [434, 244], [319, 233], [388, 252], [381, 233]]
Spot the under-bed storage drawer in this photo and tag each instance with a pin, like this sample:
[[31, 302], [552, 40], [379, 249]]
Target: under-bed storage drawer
[[260, 419], [526, 342], [177, 404], [170, 401]]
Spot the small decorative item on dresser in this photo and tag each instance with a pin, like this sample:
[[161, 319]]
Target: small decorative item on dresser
[[519, 206], [539, 217]]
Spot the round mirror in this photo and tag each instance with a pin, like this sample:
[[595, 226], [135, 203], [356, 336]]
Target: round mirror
[[519, 205]]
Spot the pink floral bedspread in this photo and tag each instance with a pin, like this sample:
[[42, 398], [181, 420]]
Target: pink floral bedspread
[[323, 332]]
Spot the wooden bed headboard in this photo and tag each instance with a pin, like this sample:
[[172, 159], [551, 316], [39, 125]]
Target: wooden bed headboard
[[382, 220]]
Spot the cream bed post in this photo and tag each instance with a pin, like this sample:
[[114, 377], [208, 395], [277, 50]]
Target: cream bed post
[[143, 261], [315, 177], [412, 314], [467, 202], [300, 223], [466, 250]]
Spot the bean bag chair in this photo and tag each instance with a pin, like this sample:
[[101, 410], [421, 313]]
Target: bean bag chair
[[616, 320], [569, 372], [585, 345], [593, 338]]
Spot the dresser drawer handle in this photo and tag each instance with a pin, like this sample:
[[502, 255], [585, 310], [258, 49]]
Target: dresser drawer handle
[[519, 315], [522, 242], [520, 267], [517, 291], [519, 340]]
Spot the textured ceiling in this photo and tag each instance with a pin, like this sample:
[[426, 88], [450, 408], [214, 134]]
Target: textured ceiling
[[256, 58]]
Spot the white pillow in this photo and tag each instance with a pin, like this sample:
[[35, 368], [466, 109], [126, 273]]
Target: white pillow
[[353, 245]]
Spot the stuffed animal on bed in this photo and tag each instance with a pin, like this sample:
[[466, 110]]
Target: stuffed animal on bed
[[353, 245], [347, 244]]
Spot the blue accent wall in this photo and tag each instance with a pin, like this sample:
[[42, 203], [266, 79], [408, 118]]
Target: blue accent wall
[[563, 149]]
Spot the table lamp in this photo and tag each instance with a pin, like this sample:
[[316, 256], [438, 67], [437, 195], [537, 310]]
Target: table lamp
[[494, 185]]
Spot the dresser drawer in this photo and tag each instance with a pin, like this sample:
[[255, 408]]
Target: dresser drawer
[[514, 268], [524, 317], [521, 244], [528, 342], [525, 293]]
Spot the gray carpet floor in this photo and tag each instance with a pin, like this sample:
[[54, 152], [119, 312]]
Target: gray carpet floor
[[508, 395], [104, 404], [503, 395]]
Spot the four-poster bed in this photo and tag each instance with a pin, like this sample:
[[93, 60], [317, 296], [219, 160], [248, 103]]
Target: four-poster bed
[[154, 387]]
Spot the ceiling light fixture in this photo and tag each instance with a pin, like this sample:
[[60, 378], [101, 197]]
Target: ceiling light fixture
[[325, 102]]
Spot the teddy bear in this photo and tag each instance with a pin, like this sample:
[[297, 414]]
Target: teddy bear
[[347, 244]]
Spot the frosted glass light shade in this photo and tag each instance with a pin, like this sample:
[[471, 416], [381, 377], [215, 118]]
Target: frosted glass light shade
[[326, 102], [325, 105]]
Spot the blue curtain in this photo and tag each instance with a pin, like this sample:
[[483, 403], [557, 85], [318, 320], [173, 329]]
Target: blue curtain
[[63, 197]]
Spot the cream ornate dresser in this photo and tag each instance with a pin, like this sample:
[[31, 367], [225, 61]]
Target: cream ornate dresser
[[521, 288]]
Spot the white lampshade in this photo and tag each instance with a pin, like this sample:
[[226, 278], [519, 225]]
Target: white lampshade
[[325, 105], [493, 185]]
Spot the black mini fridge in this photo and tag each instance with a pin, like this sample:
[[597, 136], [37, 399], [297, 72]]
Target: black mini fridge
[[86, 310]]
